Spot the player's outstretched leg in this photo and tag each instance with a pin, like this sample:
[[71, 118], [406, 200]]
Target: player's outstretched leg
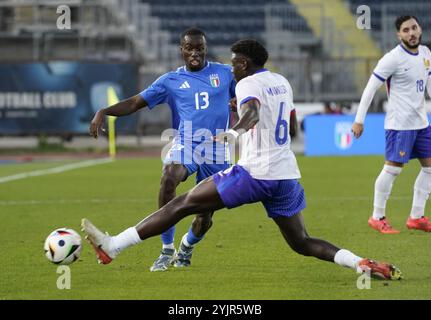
[[295, 234], [202, 198], [103, 244], [201, 224], [173, 174]]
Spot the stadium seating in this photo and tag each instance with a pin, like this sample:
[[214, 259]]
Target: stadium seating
[[392, 8], [223, 23]]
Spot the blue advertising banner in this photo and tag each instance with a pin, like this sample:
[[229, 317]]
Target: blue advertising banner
[[331, 135], [61, 97]]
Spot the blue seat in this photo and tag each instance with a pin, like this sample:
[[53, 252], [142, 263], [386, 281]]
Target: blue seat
[[419, 8], [224, 22]]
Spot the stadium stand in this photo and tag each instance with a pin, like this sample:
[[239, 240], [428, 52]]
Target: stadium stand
[[28, 32], [223, 23], [315, 43], [384, 12], [394, 7]]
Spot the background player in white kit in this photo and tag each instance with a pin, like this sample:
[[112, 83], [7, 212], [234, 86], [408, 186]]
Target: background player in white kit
[[267, 172], [406, 70]]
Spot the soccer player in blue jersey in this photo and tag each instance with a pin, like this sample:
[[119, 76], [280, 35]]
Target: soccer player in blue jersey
[[266, 172], [198, 94]]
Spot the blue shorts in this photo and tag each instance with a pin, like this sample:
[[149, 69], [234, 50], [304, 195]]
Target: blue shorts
[[403, 145], [204, 166], [281, 198], [204, 170]]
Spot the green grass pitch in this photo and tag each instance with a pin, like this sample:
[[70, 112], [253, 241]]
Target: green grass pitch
[[243, 256]]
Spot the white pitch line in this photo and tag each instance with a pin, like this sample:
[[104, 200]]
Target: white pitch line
[[149, 201], [60, 169], [72, 201], [357, 198]]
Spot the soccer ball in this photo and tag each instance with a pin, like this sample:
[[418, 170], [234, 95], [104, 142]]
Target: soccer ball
[[63, 246]]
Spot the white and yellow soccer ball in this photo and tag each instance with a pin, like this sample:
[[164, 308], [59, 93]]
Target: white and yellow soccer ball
[[63, 246]]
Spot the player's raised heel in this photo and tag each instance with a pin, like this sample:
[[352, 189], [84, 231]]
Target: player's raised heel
[[422, 224], [380, 270], [165, 260]]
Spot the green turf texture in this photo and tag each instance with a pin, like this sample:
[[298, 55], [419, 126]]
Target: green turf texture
[[243, 256]]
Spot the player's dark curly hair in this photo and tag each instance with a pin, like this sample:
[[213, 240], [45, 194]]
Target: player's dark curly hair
[[401, 19], [252, 49], [192, 32]]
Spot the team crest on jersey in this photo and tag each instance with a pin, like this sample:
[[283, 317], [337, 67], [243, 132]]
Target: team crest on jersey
[[343, 135], [427, 63], [215, 81]]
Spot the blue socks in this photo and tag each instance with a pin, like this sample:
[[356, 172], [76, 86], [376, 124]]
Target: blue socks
[[192, 239], [168, 236]]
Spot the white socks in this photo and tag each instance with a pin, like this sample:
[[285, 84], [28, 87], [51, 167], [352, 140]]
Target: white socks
[[382, 189], [185, 242], [421, 193], [345, 258], [123, 240]]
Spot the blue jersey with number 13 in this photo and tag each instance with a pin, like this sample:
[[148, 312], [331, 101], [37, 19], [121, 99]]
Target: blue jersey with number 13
[[200, 99]]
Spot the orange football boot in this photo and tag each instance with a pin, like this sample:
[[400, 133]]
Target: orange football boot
[[419, 224], [380, 270], [382, 226], [99, 241]]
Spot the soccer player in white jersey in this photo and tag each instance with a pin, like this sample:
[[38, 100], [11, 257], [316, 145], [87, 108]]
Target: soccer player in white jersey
[[406, 70], [266, 171]]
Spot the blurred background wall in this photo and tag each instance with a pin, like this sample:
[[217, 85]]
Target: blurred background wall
[[52, 79]]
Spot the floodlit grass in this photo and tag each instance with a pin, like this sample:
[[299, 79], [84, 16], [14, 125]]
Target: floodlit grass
[[243, 256]]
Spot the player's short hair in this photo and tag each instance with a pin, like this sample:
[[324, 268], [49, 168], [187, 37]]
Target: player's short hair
[[192, 32], [401, 19], [252, 49]]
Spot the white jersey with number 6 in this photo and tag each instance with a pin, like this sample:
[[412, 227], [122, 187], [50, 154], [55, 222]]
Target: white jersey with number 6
[[265, 149], [406, 75]]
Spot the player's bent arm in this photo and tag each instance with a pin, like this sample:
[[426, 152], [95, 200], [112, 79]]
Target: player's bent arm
[[122, 108], [293, 126], [126, 107], [249, 116], [367, 97], [429, 85], [233, 111]]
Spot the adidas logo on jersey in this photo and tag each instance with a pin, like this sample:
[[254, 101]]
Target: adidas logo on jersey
[[185, 85]]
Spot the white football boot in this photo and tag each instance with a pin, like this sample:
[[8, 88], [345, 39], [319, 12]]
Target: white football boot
[[100, 242]]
